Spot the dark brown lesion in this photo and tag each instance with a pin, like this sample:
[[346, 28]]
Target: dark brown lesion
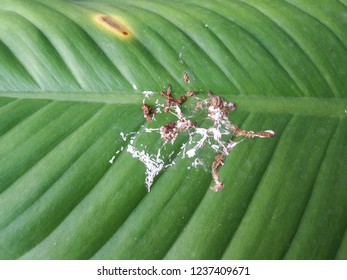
[[113, 24], [110, 21]]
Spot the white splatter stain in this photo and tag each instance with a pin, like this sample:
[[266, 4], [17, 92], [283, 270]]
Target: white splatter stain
[[154, 164]]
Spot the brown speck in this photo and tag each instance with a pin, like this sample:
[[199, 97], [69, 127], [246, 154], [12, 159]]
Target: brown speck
[[186, 77]]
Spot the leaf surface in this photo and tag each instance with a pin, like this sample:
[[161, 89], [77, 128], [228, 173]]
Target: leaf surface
[[73, 77]]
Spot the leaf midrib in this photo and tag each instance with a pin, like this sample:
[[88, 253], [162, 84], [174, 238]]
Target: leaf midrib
[[329, 107]]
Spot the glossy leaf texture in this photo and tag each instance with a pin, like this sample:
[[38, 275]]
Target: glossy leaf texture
[[72, 77]]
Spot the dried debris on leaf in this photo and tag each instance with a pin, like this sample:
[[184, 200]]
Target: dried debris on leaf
[[252, 134], [220, 136], [171, 101], [148, 112], [218, 160]]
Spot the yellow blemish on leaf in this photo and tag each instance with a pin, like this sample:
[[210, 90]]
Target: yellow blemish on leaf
[[112, 24]]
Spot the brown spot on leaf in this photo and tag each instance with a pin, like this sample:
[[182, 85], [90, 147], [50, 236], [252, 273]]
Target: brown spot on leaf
[[112, 24]]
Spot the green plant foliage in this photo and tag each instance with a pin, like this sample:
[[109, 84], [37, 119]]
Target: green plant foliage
[[72, 77]]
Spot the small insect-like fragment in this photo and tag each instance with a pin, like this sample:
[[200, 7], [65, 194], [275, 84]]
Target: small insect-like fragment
[[167, 94], [147, 112], [186, 77], [252, 134], [170, 99], [217, 102], [173, 101], [169, 132], [191, 93], [218, 160]]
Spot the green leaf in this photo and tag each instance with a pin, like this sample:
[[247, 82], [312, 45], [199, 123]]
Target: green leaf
[[72, 80]]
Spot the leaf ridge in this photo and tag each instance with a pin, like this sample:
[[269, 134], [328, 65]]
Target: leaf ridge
[[162, 62], [23, 67], [53, 77], [15, 115], [116, 68], [299, 86], [319, 69], [36, 113], [309, 197], [194, 41], [320, 20], [276, 149], [137, 209], [33, 252], [23, 206], [62, 188], [21, 166]]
